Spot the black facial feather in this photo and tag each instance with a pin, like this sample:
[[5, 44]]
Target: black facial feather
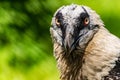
[[85, 10], [80, 24], [62, 25], [59, 18], [80, 20]]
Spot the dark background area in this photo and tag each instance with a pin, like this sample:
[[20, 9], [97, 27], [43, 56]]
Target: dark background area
[[25, 42]]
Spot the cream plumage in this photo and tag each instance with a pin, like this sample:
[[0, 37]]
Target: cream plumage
[[83, 47]]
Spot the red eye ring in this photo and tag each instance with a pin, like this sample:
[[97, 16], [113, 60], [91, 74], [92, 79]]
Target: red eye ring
[[57, 21], [86, 21]]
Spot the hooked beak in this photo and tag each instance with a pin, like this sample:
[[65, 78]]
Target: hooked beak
[[70, 41]]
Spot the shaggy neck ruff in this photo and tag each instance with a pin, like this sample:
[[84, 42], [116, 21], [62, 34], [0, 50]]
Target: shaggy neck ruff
[[70, 64]]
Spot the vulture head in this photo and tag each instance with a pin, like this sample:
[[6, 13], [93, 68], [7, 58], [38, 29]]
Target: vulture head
[[74, 26]]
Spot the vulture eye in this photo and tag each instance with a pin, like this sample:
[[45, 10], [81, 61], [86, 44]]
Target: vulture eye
[[86, 21], [57, 21]]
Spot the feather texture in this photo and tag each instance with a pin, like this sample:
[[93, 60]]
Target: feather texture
[[84, 52]]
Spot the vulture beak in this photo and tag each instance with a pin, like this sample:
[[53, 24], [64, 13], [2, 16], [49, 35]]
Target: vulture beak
[[68, 43], [70, 40]]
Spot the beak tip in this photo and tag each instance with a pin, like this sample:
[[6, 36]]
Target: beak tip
[[69, 48]]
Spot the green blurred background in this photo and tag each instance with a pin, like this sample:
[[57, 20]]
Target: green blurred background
[[25, 43]]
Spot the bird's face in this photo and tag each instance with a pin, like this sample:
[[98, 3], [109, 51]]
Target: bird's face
[[72, 25]]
